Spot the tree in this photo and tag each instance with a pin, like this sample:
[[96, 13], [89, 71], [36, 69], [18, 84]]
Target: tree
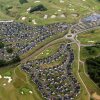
[[91, 50], [16, 59], [93, 66], [39, 7], [93, 31], [1, 45], [9, 50], [23, 1], [2, 63]]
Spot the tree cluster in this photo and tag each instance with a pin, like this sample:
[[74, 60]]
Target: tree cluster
[[16, 59], [93, 66], [39, 7], [9, 50], [23, 1], [91, 50], [1, 45]]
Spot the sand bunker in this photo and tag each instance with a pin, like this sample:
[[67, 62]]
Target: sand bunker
[[95, 96]]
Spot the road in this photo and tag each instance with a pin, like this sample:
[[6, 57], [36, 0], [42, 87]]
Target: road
[[8, 21], [73, 37], [40, 50]]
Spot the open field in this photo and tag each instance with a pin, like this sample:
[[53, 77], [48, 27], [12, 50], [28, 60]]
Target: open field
[[92, 87], [40, 54], [90, 84], [83, 93], [85, 54], [90, 37], [40, 45], [72, 10], [51, 49], [33, 54], [19, 88]]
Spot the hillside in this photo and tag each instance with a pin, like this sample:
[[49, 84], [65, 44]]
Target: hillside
[[58, 10]]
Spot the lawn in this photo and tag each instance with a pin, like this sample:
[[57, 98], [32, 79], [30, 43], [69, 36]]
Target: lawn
[[85, 54], [40, 48], [73, 10], [49, 51], [83, 94], [19, 87], [92, 87], [90, 37], [20, 83]]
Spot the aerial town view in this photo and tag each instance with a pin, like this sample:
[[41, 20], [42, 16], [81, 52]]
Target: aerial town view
[[49, 49]]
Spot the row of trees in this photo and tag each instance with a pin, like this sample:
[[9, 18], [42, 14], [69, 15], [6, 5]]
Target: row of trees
[[16, 59], [93, 66], [91, 50], [9, 50]]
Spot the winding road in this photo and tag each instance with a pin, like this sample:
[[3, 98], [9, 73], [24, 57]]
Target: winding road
[[73, 37]]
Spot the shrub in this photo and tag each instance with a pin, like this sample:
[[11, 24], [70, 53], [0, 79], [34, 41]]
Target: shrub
[[93, 66], [39, 7], [16, 59], [9, 50], [2, 63], [1, 45], [23, 1]]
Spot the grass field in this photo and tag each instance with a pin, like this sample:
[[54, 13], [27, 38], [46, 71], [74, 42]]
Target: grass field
[[90, 37], [73, 10], [40, 45], [49, 51], [85, 54], [19, 88], [92, 87], [83, 93], [21, 84]]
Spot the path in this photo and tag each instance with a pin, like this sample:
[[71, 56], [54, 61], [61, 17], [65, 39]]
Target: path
[[8, 21], [75, 40], [40, 50]]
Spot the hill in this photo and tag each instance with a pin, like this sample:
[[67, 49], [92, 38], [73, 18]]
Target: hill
[[58, 10]]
